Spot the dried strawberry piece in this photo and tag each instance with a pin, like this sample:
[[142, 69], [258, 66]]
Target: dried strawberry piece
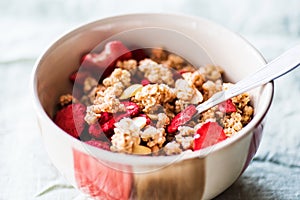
[[71, 119], [108, 120], [95, 131], [182, 118], [103, 64], [108, 127], [99, 144], [227, 106], [79, 77], [145, 82], [208, 134], [105, 117], [132, 109], [138, 54]]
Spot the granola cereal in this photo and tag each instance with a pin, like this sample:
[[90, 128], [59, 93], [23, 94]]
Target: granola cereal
[[156, 73], [118, 76], [153, 136], [158, 55], [89, 84], [194, 78], [174, 61], [185, 137], [172, 148], [153, 94], [232, 123], [183, 90], [210, 88], [129, 65], [66, 99], [146, 105], [212, 72], [162, 120], [126, 136]]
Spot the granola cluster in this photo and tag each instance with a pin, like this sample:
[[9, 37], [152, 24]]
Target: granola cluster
[[146, 104], [153, 94], [156, 73]]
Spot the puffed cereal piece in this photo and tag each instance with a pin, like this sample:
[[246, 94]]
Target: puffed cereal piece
[[158, 55], [186, 131], [153, 94], [105, 101], [210, 115], [153, 136], [167, 94], [232, 123], [183, 90], [185, 137], [129, 65], [66, 99], [174, 61], [156, 73], [88, 84], [247, 114], [92, 94], [180, 105], [210, 88], [127, 134], [118, 75], [212, 72], [241, 100], [194, 78], [172, 148], [91, 117], [162, 120]]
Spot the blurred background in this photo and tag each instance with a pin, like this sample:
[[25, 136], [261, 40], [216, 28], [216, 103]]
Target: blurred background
[[27, 29]]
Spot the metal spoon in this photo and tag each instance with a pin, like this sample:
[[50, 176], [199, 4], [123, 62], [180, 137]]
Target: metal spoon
[[274, 69]]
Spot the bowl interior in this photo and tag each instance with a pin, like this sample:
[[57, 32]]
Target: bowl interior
[[199, 41]]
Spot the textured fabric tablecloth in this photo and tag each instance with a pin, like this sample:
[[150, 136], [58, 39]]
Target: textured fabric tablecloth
[[28, 27]]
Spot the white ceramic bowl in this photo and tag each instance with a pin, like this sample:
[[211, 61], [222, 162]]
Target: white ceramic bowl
[[105, 175]]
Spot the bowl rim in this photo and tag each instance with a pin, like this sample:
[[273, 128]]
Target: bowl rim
[[129, 159]]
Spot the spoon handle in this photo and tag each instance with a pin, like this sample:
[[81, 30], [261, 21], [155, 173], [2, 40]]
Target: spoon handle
[[274, 69]]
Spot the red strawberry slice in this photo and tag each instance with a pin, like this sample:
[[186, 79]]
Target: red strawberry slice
[[103, 64], [105, 117], [108, 127], [132, 109], [227, 106], [99, 144], [108, 120], [182, 118], [71, 119], [208, 134]]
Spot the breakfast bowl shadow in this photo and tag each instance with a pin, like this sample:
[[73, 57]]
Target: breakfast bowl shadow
[[102, 174]]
